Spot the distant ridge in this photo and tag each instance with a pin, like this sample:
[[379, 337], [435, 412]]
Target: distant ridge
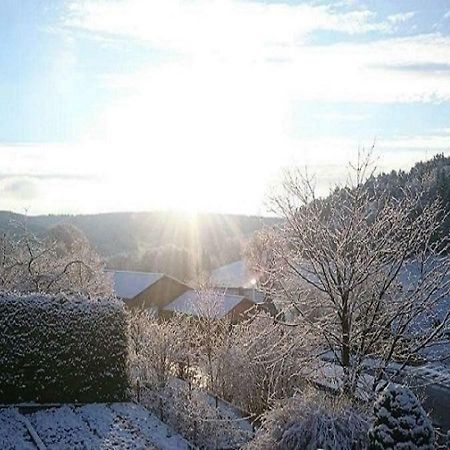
[[175, 243]]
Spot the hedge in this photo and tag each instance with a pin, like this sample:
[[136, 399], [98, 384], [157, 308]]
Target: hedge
[[62, 349]]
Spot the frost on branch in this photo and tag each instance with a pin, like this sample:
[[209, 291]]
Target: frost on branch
[[60, 261], [400, 421], [362, 270], [311, 421]]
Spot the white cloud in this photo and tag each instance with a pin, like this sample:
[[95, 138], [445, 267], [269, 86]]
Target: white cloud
[[271, 43], [401, 17], [447, 15], [426, 143], [19, 189], [220, 115], [145, 176], [192, 130], [224, 27]]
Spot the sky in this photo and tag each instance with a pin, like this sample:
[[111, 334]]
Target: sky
[[198, 105]]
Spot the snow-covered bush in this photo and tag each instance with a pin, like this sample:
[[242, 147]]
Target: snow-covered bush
[[196, 416], [62, 349], [309, 421], [260, 362], [158, 349], [249, 364], [400, 421]]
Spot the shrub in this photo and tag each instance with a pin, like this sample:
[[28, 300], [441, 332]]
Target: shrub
[[261, 362], [249, 364], [310, 421], [62, 349], [193, 413], [400, 421], [157, 349]]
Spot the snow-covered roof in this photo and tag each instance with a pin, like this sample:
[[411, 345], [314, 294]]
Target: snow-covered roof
[[127, 284], [233, 275], [205, 304]]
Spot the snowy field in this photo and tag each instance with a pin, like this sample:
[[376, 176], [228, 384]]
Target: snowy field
[[96, 426]]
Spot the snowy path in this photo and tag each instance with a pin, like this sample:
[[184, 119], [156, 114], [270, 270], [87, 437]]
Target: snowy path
[[117, 426]]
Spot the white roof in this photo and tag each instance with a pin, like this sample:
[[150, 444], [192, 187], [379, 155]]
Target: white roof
[[233, 275], [127, 284], [210, 304]]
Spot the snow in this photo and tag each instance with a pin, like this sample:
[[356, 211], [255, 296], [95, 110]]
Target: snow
[[127, 284], [13, 432], [207, 421], [233, 275], [435, 373], [331, 376], [96, 426], [150, 426], [400, 422], [209, 304]]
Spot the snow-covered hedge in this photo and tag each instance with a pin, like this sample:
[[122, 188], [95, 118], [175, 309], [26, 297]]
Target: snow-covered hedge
[[62, 349]]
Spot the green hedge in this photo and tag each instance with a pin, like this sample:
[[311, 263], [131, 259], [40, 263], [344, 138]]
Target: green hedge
[[62, 349]]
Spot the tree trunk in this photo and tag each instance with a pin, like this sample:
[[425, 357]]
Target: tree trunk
[[345, 348]]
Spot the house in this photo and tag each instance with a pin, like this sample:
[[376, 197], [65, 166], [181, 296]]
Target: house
[[235, 278], [210, 304], [146, 289], [166, 296]]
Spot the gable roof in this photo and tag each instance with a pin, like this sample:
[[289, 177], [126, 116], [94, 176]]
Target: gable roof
[[210, 304], [128, 284], [233, 275]]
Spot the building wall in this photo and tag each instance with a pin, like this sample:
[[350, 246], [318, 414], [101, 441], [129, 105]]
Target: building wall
[[242, 310]]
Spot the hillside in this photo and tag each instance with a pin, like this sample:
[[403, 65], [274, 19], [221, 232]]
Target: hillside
[[183, 245], [175, 243], [429, 180]]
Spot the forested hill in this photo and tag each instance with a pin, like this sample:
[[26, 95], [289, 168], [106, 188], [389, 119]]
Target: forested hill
[[174, 243], [184, 245], [431, 177]]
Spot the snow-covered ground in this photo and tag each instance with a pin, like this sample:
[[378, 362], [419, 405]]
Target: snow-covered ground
[[124, 426], [435, 373], [13, 432]]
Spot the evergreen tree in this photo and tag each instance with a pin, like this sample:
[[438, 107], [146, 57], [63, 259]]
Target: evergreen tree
[[400, 422]]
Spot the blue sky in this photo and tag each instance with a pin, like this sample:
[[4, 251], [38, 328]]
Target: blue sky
[[198, 104]]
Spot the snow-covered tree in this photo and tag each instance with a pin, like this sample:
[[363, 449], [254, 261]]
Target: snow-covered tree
[[400, 422], [172, 362], [262, 361], [250, 364], [362, 270], [62, 260], [158, 349]]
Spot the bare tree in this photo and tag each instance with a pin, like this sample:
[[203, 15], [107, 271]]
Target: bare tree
[[262, 361], [364, 271], [60, 261], [157, 348]]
